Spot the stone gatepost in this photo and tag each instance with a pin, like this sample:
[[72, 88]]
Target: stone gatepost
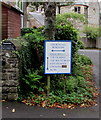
[[9, 72]]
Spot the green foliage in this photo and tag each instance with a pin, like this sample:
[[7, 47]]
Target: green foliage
[[71, 83], [66, 18], [30, 30], [91, 32], [33, 50], [30, 57], [32, 80], [67, 32], [82, 60], [26, 30]]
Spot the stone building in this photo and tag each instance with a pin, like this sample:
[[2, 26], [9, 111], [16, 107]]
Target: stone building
[[93, 14], [90, 9], [78, 7]]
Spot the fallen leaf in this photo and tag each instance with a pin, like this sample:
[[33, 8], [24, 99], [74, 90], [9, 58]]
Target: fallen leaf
[[96, 104], [43, 104], [58, 106], [72, 107], [13, 110], [82, 105], [64, 114]]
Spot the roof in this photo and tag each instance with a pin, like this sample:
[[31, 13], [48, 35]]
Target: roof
[[38, 16], [81, 3], [12, 7]]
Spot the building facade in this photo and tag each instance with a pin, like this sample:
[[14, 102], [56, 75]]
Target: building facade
[[90, 9]]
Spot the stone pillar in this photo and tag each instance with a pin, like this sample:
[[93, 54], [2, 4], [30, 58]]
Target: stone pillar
[[9, 75]]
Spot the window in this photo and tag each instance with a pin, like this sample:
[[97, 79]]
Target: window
[[77, 9]]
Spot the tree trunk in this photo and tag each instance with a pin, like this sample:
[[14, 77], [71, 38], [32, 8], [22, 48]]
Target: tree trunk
[[25, 4], [50, 18]]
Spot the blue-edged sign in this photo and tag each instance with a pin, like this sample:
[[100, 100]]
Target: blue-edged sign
[[58, 56]]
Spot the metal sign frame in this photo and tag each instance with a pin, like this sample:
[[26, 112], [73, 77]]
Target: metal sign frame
[[63, 48]]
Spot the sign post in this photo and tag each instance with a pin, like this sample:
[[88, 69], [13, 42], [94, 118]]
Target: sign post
[[57, 58], [48, 84]]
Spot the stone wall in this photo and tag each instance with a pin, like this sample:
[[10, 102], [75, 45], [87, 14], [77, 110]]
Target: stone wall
[[89, 43], [93, 14], [9, 75]]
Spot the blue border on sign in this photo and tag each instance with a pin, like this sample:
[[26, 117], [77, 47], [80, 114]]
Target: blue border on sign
[[45, 55]]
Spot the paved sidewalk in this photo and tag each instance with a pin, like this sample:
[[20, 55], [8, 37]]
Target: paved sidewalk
[[94, 55], [21, 110], [24, 111]]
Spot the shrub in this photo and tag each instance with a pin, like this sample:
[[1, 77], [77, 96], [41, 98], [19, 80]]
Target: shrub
[[82, 60], [67, 32], [30, 56], [69, 18], [78, 91], [33, 80], [26, 30], [30, 30], [91, 32]]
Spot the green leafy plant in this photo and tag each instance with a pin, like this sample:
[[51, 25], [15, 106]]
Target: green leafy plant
[[32, 80], [30, 57], [82, 60], [69, 18], [67, 32], [30, 30], [26, 30], [91, 32]]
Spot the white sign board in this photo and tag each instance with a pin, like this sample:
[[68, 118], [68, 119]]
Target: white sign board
[[57, 57]]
